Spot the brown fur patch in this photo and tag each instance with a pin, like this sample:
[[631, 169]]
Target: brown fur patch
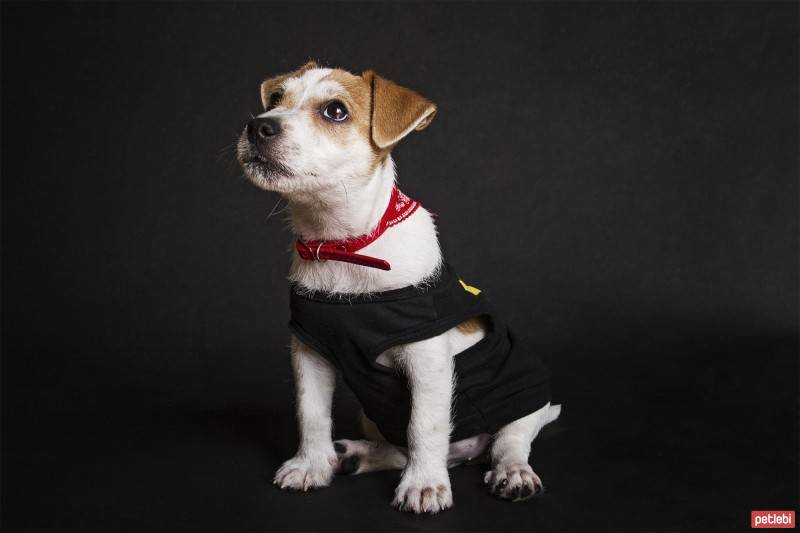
[[268, 86], [396, 110], [473, 325], [356, 97]]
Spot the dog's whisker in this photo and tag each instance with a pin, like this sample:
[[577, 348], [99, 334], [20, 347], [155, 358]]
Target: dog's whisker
[[273, 213], [346, 196]]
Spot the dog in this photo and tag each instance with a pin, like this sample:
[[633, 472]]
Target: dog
[[441, 380]]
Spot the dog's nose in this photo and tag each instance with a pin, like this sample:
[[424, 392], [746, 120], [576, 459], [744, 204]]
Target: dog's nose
[[261, 128]]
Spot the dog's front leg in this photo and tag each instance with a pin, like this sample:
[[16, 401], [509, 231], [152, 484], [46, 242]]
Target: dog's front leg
[[315, 379], [425, 484]]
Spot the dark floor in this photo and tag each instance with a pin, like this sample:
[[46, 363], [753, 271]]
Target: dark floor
[[645, 457]]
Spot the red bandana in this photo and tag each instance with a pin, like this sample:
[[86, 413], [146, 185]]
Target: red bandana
[[400, 208]]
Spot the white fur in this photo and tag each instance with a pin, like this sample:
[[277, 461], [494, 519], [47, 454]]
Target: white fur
[[315, 379], [332, 195], [511, 472]]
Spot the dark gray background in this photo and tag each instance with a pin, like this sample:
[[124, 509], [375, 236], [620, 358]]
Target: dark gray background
[[620, 177]]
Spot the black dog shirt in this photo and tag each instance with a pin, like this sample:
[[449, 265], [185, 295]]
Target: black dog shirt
[[497, 380]]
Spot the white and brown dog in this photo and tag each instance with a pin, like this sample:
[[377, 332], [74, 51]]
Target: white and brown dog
[[324, 143]]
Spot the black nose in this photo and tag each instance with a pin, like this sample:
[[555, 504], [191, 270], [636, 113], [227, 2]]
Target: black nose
[[261, 128]]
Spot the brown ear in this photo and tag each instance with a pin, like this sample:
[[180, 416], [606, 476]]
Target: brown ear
[[396, 111], [269, 86], [311, 63]]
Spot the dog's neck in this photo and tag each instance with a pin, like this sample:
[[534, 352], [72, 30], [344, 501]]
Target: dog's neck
[[411, 247], [343, 211]]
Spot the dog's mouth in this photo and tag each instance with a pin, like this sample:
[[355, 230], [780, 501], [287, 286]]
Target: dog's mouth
[[265, 168], [256, 159], [258, 167]]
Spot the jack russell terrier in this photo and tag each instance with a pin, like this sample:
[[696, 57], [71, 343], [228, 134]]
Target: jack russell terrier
[[441, 379]]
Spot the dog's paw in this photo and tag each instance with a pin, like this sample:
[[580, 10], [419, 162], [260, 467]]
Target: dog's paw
[[423, 493], [349, 455], [513, 481], [305, 473]]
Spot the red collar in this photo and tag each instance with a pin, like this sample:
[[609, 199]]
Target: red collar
[[400, 208]]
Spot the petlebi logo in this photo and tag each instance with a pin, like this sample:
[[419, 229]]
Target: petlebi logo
[[772, 519]]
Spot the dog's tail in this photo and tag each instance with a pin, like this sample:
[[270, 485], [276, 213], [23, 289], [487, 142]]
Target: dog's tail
[[553, 412]]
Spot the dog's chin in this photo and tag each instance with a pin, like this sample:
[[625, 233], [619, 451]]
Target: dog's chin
[[265, 173]]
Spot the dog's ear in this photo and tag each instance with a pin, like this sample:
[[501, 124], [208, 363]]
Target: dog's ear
[[311, 63], [396, 111], [269, 86]]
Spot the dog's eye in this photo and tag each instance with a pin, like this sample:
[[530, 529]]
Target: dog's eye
[[335, 111], [274, 100]]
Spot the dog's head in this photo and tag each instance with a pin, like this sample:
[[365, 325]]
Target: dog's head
[[322, 127]]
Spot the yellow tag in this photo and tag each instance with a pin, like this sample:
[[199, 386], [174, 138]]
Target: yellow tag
[[469, 288]]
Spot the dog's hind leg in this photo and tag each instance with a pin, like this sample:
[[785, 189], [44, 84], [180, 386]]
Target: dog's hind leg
[[511, 477], [362, 456], [370, 455], [469, 451], [373, 454]]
